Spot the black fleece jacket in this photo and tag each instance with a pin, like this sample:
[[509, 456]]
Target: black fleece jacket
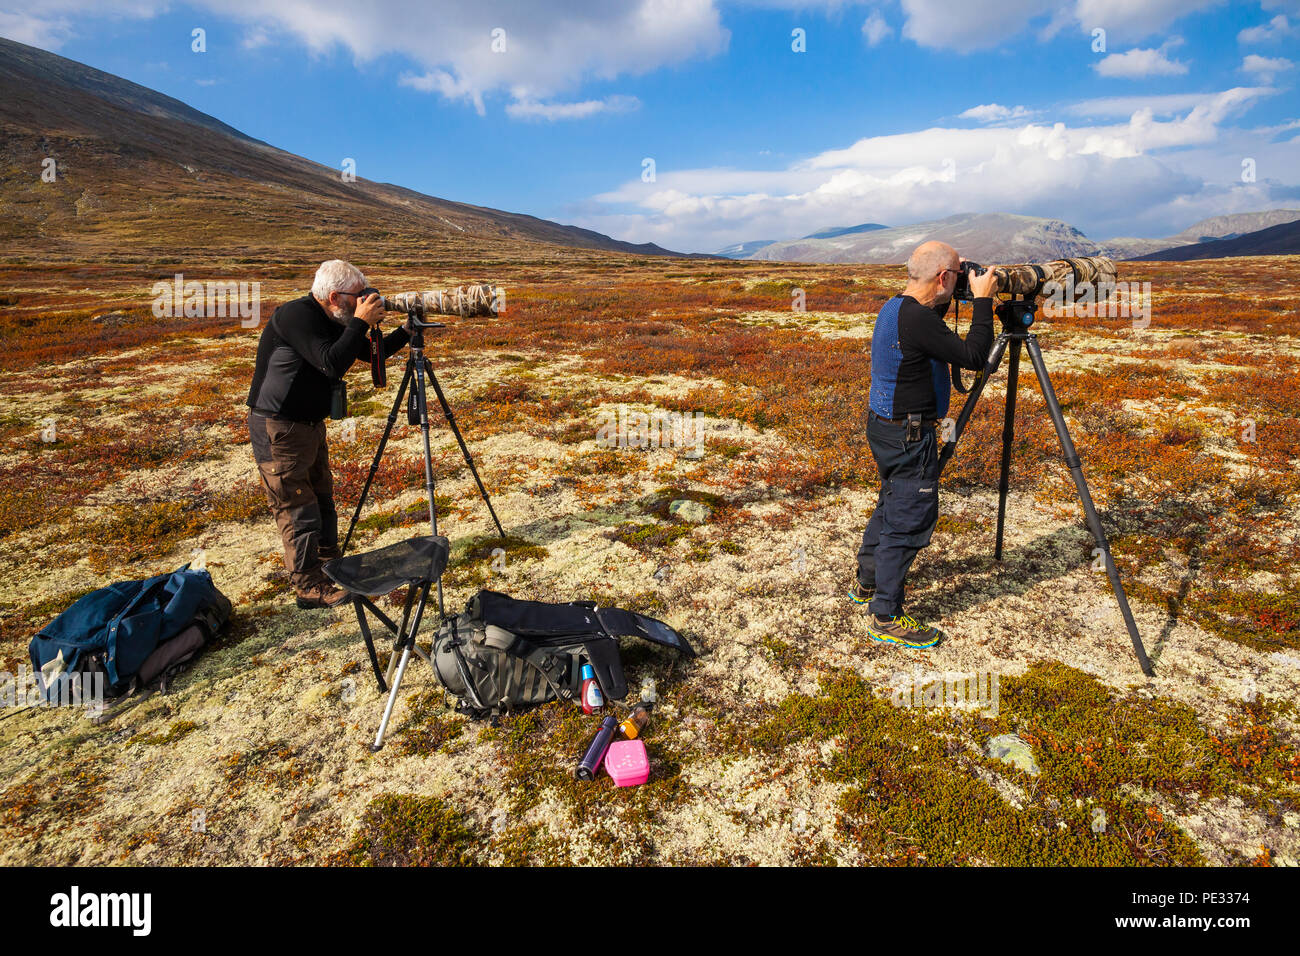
[[300, 356]]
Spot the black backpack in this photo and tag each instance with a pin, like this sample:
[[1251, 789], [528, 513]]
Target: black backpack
[[502, 653]]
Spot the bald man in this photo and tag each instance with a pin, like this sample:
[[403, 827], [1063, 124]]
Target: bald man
[[911, 349]]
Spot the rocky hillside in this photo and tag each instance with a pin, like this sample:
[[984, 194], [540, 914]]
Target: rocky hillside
[[984, 237], [139, 173]]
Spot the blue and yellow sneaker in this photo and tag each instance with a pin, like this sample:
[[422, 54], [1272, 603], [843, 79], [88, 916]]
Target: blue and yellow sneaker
[[860, 595], [903, 631]]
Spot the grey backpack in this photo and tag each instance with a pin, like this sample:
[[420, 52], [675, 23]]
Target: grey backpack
[[502, 653]]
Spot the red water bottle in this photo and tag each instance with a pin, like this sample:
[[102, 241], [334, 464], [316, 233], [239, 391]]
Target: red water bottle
[[592, 699]]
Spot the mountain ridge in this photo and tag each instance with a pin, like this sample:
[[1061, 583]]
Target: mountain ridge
[[1005, 237], [142, 171]]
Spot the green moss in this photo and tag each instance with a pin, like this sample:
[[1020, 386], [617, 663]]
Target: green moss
[[727, 449], [956, 524], [641, 602], [649, 537], [914, 794], [539, 750], [472, 562], [429, 726], [417, 512], [783, 653], [412, 830], [177, 730]]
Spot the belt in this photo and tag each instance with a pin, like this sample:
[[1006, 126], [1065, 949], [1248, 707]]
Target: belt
[[273, 416], [925, 422]]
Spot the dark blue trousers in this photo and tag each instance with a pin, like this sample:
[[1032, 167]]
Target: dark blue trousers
[[905, 513]]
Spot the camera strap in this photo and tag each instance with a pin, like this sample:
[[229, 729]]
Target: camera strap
[[378, 372], [956, 372]]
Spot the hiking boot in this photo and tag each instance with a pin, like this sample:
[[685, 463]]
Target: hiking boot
[[323, 594], [860, 595], [903, 631]]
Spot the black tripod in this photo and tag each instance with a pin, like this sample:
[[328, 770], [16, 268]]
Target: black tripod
[[417, 367], [1017, 315]]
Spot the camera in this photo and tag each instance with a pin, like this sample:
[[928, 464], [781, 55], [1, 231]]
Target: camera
[[968, 268], [464, 301], [1080, 275]]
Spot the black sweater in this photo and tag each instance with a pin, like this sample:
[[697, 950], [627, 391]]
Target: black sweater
[[300, 356], [911, 349]]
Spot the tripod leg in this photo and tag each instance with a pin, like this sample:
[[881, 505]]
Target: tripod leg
[[990, 367], [423, 405], [469, 460], [1094, 522], [370, 644], [406, 642], [392, 699], [1008, 432], [379, 453]]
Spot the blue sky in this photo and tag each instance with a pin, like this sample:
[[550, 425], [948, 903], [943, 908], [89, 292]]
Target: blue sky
[[895, 112]]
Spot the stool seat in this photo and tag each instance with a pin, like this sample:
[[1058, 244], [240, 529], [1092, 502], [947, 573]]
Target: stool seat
[[417, 560]]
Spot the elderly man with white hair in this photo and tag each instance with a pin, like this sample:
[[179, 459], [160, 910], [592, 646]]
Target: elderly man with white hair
[[911, 349], [305, 350]]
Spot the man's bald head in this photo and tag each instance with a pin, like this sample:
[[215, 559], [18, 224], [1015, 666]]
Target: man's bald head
[[929, 258]]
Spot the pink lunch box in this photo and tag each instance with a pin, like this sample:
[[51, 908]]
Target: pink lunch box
[[627, 763]]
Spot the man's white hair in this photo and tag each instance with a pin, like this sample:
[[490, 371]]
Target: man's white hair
[[337, 275], [928, 259]]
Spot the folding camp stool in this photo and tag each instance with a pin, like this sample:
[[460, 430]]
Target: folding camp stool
[[417, 563]]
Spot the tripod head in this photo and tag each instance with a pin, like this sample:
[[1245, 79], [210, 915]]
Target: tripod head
[[1017, 314], [415, 323]]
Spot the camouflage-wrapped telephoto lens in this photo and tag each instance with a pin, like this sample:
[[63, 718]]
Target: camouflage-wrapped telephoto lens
[[464, 301], [1028, 279]]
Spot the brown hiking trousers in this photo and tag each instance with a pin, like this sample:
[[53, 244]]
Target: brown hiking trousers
[[294, 465]]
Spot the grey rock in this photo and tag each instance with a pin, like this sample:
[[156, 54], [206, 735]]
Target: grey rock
[[696, 512], [1011, 749]]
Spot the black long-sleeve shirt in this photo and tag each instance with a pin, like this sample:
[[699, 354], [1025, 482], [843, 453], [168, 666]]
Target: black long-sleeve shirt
[[911, 349], [300, 356]]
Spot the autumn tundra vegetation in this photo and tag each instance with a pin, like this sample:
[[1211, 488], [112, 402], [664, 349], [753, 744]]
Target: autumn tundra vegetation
[[125, 453]]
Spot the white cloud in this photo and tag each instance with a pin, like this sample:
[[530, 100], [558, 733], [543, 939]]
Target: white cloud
[[531, 109], [875, 29], [994, 113], [1130, 20], [1121, 178], [548, 47], [961, 25], [1275, 29], [448, 86], [49, 24], [551, 47], [1265, 67], [1165, 104], [1135, 64], [256, 38], [48, 33]]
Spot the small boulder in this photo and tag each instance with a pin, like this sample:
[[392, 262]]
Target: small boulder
[[1011, 749], [696, 512]]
